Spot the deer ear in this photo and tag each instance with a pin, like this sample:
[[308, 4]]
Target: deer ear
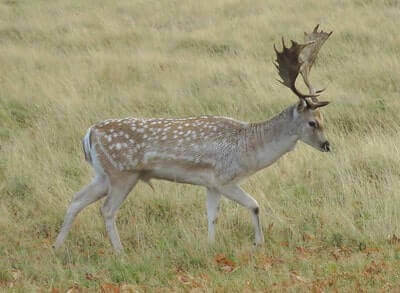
[[322, 104], [318, 104]]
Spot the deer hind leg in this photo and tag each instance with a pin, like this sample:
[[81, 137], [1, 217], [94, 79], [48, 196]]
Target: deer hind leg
[[120, 186], [213, 199], [235, 193], [89, 194]]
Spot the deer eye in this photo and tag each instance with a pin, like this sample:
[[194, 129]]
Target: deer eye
[[312, 124]]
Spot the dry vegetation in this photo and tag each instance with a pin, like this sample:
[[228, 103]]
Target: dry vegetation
[[331, 221]]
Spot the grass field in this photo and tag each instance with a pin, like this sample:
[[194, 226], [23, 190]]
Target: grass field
[[331, 221]]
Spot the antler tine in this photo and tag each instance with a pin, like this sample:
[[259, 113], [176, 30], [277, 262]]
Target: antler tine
[[309, 54], [288, 64]]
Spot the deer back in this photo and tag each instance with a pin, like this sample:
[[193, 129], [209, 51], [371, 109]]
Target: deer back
[[143, 144]]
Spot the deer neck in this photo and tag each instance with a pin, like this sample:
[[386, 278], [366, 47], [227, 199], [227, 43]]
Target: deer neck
[[265, 142]]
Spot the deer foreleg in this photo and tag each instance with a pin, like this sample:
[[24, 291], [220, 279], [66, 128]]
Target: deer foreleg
[[213, 199], [235, 193]]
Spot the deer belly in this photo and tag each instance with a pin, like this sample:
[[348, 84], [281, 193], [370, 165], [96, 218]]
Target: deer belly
[[183, 167], [182, 174]]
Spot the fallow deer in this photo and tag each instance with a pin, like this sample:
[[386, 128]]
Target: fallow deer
[[210, 151]]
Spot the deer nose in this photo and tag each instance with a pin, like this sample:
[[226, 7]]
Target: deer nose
[[325, 146]]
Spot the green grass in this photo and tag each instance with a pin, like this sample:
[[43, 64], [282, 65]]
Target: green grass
[[331, 221]]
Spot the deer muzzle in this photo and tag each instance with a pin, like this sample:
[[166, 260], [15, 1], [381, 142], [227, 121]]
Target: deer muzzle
[[325, 146]]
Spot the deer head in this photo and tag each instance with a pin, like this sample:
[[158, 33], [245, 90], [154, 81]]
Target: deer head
[[299, 58]]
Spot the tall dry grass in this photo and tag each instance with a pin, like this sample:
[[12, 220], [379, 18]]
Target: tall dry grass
[[331, 221]]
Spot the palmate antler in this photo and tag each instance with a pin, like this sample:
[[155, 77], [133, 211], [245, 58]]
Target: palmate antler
[[310, 52], [299, 58]]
